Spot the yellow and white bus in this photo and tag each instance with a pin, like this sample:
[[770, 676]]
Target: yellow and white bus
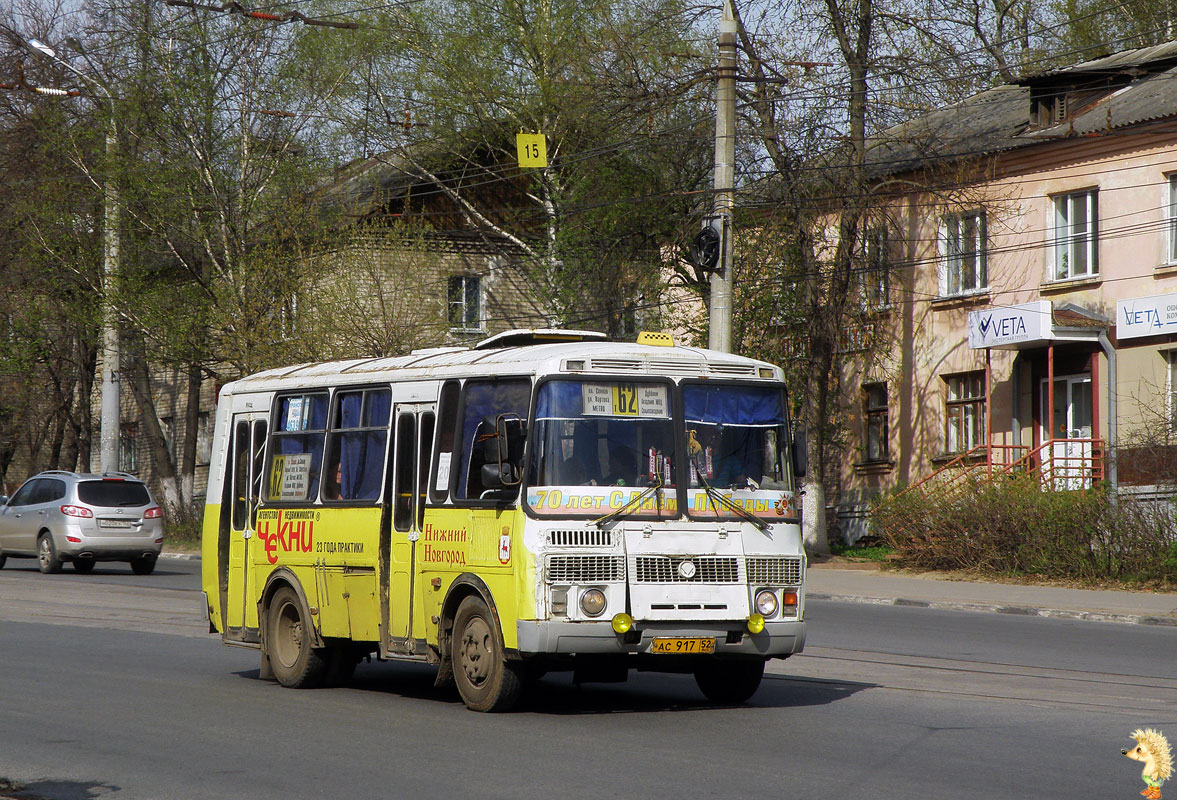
[[544, 500]]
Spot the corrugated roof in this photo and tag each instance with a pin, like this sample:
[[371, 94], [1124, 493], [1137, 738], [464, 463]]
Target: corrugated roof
[[1141, 87]]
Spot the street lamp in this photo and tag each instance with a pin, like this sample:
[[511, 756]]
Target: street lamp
[[108, 451]]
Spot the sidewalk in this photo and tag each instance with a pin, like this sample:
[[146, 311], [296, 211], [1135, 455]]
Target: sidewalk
[[865, 583]]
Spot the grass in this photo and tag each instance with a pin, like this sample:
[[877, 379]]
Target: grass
[[875, 552]]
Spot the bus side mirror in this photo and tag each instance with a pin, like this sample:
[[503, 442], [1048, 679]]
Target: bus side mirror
[[800, 453], [503, 451]]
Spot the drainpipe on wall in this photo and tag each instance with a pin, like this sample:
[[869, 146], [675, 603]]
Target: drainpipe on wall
[[1110, 352]]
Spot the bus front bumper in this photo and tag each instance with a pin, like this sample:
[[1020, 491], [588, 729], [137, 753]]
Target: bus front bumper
[[778, 639]]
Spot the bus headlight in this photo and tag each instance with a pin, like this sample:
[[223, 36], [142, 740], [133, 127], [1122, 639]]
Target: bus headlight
[[755, 623], [766, 604], [592, 602], [622, 623]]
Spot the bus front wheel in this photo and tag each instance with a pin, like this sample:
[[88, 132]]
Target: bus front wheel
[[485, 680], [295, 662], [729, 682]]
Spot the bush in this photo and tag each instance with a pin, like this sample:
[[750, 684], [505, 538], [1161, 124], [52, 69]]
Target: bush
[[1013, 526]]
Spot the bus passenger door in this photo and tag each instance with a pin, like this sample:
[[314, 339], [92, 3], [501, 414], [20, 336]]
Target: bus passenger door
[[409, 477], [248, 448]]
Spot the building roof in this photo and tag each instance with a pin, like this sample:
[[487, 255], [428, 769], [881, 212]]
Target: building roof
[[1110, 93]]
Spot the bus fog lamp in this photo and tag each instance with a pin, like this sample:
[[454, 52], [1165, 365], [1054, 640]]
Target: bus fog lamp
[[622, 623], [766, 604], [755, 623], [592, 602]]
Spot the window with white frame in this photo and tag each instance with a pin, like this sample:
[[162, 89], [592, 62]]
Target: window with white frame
[[964, 253], [1172, 357], [876, 418], [1171, 213], [129, 447], [465, 302], [964, 411], [1075, 242]]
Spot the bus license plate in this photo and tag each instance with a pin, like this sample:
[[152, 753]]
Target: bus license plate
[[683, 646]]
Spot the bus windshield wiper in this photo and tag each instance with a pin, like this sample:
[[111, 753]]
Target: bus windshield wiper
[[634, 501], [720, 499]]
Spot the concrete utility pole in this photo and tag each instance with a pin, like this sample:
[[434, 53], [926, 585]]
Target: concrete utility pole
[[108, 453], [720, 329]]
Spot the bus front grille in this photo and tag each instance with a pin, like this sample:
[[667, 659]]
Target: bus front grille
[[667, 569], [585, 537], [585, 569], [774, 571]]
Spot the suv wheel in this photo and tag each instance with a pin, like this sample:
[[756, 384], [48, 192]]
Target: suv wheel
[[47, 558], [143, 566]]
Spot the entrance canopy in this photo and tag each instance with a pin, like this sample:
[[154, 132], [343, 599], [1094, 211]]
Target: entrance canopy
[[1031, 325]]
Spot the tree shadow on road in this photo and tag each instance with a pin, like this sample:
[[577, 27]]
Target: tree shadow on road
[[49, 789]]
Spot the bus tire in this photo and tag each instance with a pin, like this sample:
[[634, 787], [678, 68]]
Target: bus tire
[[729, 682], [295, 662], [486, 682]]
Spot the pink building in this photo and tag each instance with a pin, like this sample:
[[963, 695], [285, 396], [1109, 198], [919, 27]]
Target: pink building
[[1031, 314]]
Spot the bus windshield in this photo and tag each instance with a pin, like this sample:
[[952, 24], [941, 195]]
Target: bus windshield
[[736, 440], [598, 444]]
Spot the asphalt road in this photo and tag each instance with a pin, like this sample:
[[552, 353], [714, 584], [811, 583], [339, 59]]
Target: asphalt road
[[886, 702]]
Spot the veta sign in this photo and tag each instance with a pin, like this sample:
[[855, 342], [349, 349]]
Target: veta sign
[[1010, 325], [1146, 316]]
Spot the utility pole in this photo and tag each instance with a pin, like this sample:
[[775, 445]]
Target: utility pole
[[720, 327], [108, 453]]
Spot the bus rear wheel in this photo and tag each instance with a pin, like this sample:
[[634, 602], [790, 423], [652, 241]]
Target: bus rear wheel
[[289, 638], [485, 680], [729, 682]]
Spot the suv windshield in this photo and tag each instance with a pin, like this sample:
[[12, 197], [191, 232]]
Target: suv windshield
[[601, 443], [113, 493]]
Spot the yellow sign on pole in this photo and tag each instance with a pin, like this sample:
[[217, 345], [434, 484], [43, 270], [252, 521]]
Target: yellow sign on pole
[[532, 149]]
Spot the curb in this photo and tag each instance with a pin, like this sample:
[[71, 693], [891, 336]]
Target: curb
[[1027, 611], [177, 557]]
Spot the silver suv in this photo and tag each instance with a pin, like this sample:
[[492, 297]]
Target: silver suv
[[59, 516]]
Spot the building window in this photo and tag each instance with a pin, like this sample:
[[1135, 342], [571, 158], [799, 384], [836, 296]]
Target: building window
[[167, 426], [876, 276], [465, 302], [129, 447], [964, 402], [1171, 250], [1172, 356], [875, 414], [204, 438], [1075, 242], [964, 254]]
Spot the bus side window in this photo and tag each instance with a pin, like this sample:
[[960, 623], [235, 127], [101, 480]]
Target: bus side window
[[296, 448], [483, 402], [448, 418], [402, 508], [240, 474], [356, 445]]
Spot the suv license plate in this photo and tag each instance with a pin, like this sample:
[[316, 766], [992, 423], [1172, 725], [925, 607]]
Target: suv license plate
[[683, 646], [115, 523]]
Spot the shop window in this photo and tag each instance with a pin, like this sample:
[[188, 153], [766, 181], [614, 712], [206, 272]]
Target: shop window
[[1074, 235], [964, 402], [875, 415]]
